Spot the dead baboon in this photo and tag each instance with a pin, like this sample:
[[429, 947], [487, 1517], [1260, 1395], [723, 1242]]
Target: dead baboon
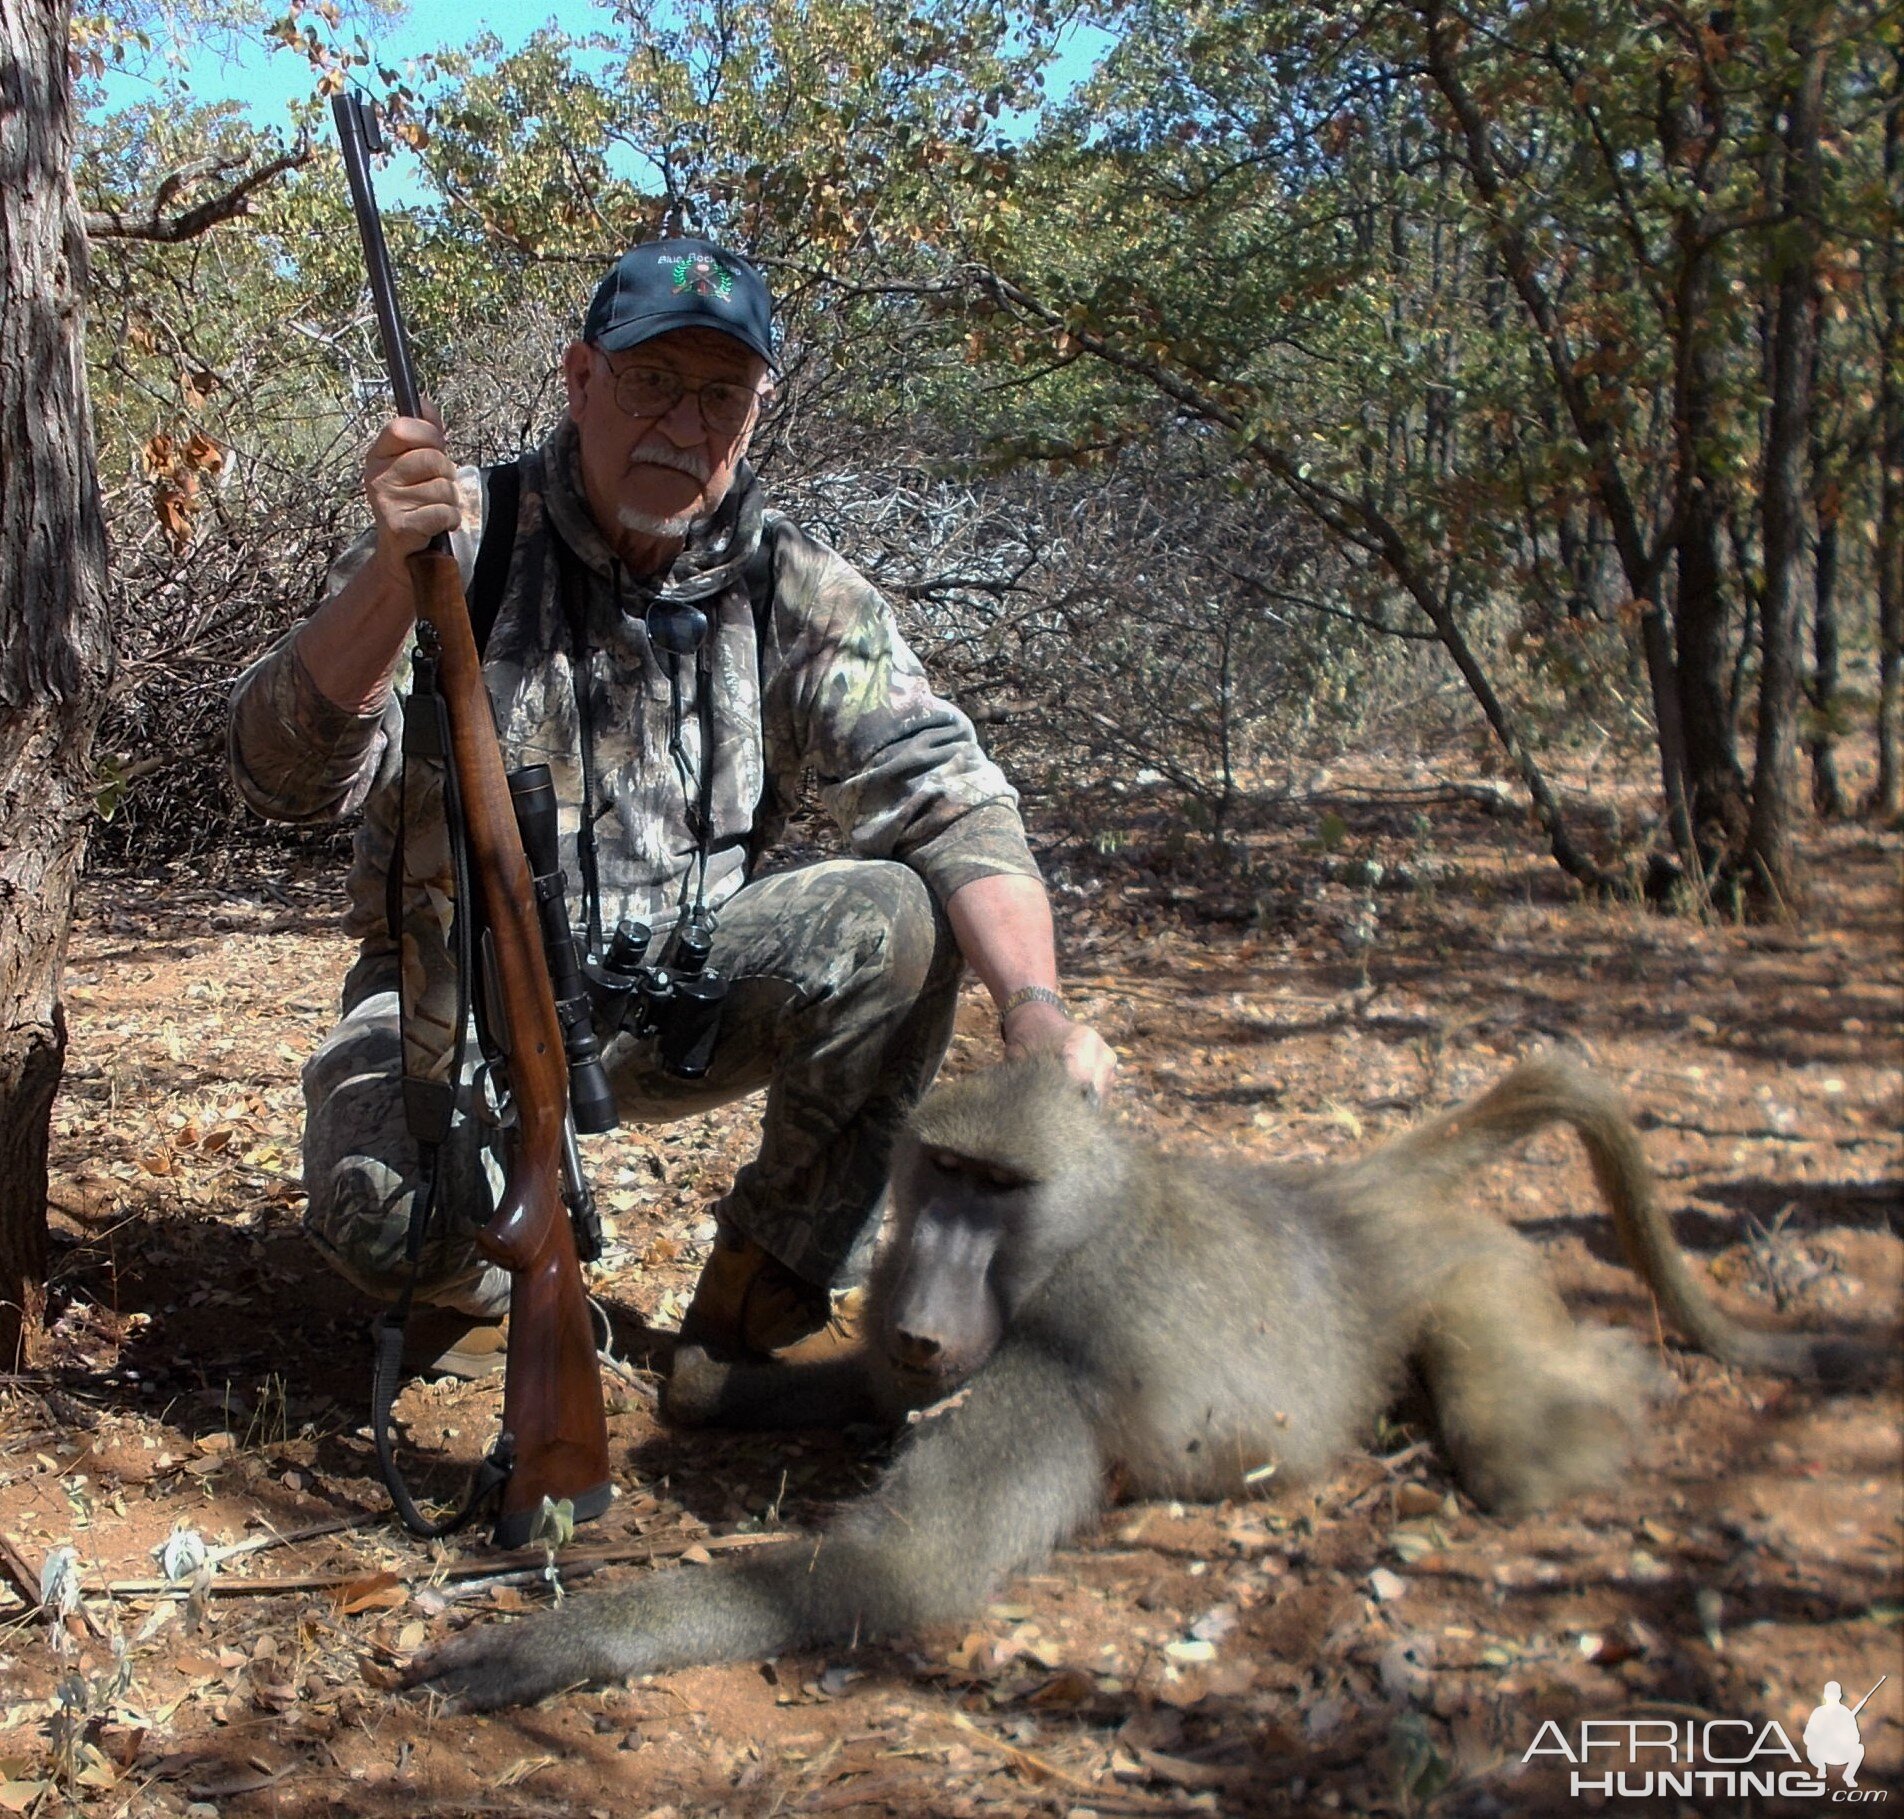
[[1191, 1325]]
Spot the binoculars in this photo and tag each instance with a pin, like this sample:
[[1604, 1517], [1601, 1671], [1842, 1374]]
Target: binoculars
[[602, 996]]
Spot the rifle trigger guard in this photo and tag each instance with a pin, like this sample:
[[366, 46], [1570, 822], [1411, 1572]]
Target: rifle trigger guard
[[492, 1107]]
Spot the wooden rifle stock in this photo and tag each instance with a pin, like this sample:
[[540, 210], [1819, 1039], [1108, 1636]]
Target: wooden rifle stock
[[552, 1396]]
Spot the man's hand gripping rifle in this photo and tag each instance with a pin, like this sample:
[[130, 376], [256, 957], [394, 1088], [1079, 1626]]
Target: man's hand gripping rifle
[[555, 1433]]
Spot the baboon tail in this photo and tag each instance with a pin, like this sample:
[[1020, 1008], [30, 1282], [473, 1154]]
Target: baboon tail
[[1547, 1090]]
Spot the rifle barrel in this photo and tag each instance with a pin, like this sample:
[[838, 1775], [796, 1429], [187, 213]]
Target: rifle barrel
[[356, 131]]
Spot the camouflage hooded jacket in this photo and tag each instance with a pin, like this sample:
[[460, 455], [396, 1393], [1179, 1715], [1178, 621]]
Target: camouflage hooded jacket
[[835, 691]]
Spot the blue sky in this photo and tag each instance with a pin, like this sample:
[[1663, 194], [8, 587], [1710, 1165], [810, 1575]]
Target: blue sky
[[248, 67]]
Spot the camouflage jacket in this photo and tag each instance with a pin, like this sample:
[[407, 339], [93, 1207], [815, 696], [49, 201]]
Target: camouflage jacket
[[835, 691]]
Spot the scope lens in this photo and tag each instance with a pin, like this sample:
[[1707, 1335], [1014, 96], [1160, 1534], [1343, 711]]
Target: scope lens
[[532, 790]]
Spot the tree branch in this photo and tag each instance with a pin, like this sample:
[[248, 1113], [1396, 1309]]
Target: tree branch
[[1284, 598], [170, 230]]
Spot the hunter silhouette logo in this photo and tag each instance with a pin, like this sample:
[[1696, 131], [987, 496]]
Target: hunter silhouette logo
[[1831, 1734], [700, 273]]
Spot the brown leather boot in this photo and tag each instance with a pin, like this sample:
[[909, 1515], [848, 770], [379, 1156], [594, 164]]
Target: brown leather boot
[[750, 1302], [441, 1342], [845, 1324]]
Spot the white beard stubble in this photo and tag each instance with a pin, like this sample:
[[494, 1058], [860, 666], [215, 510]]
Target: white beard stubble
[[648, 524]]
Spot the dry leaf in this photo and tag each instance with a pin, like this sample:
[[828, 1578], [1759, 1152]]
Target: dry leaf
[[1410, 1544], [375, 1592], [1416, 1500], [1065, 1690]]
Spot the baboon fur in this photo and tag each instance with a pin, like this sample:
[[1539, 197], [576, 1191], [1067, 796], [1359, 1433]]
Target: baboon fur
[[1190, 1326]]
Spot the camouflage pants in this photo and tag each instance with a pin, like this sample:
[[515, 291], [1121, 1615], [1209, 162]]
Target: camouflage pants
[[844, 978]]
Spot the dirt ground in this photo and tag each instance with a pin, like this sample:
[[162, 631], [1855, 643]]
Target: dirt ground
[[1369, 1645]]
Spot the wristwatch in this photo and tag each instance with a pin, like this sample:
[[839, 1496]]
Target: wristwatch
[[1029, 994]]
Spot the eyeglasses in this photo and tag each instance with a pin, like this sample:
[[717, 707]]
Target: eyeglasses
[[653, 391]]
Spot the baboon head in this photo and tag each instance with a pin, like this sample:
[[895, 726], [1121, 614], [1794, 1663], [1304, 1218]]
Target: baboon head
[[996, 1179]]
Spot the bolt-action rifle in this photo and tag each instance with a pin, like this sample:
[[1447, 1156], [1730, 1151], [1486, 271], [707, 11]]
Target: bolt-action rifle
[[555, 1432]]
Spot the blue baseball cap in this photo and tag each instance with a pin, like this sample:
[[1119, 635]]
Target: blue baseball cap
[[663, 285]]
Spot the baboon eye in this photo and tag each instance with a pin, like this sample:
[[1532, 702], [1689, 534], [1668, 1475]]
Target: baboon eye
[[952, 1163]]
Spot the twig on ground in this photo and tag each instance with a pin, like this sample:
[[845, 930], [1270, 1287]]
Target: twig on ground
[[258, 1543], [519, 1559], [23, 1578], [1037, 1768]]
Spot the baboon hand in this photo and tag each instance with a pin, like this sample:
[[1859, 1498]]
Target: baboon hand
[[497, 1664], [692, 1392]]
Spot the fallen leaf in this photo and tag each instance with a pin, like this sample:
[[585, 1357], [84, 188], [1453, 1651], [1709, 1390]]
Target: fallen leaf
[[374, 1592], [1066, 1690], [1416, 1500]]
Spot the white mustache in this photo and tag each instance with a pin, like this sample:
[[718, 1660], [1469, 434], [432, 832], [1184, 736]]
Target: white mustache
[[649, 454]]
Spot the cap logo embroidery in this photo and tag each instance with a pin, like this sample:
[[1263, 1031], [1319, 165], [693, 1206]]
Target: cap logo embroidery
[[697, 272]]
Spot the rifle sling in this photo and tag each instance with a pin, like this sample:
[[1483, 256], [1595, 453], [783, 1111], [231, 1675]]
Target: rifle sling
[[386, 1380], [429, 1106]]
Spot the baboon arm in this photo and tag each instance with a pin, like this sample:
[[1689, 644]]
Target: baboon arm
[[706, 1392], [987, 1488]]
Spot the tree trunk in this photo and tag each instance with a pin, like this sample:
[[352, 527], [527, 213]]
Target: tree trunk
[[1772, 874], [55, 649], [1827, 790], [1715, 782], [1702, 621], [1887, 796], [1823, 689]]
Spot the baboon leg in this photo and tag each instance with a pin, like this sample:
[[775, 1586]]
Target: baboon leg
[[1531, 1406], [704, 1392], [988, 1488]]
